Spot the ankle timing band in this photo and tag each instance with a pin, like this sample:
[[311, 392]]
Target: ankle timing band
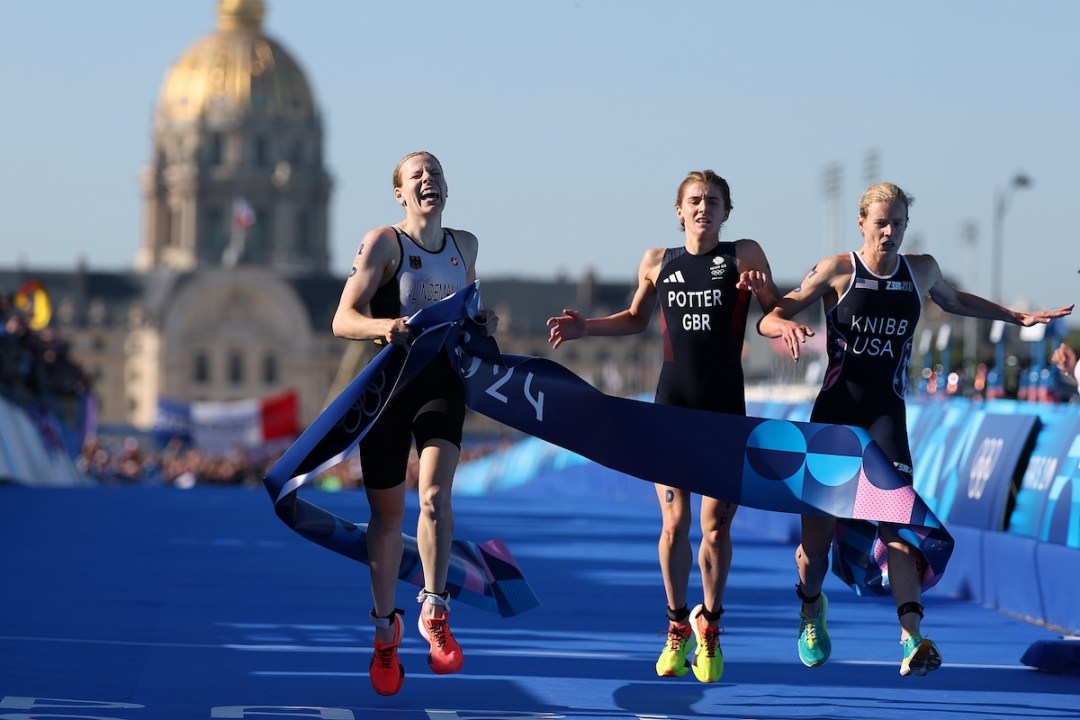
[[440, 599], [809, 600], [712, 615], [909, 607], [384, 622], [679, 615]]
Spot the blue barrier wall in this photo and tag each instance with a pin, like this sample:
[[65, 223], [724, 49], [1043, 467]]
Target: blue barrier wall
[[33, 451], [968, 465], [1004, 476]]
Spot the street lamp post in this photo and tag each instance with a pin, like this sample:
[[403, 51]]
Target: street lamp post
[[1001, 204], [969, 235]]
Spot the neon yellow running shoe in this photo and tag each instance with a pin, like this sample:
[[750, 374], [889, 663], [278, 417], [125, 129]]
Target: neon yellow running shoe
[[920, 656], [672, 661], [814, 644], [708, 658]]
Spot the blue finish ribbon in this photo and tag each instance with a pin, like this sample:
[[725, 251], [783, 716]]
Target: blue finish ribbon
[[795, 467], [484, 574]]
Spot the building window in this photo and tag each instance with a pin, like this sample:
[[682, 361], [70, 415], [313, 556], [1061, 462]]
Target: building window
[[303, 231], [262, 152], [270, 369], [236, 369], [201, 370], [257, 248], [66, 311], [173, 235], [213, 150], [217, 233]]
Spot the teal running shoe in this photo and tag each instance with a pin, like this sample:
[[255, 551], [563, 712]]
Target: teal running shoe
[[814, 644], [920, 656]]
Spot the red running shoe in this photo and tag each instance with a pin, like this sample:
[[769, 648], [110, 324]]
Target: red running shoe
[[386, 671], [445, 654]]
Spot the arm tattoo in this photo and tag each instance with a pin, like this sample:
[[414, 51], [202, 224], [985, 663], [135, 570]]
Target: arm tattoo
[[812, 273]]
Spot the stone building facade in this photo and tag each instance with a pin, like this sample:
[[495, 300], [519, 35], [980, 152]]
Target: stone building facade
[[230, 296]]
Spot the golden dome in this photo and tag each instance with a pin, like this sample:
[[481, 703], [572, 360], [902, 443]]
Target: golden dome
[[236, 72]]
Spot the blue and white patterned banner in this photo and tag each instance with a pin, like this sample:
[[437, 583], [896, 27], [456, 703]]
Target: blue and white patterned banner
[[795, 467]]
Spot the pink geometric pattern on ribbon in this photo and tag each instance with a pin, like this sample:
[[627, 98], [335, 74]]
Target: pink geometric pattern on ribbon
[[893, 506]]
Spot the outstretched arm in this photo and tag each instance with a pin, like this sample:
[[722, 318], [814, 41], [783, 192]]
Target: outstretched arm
[[572, 325], [828, 276], [928, 274]]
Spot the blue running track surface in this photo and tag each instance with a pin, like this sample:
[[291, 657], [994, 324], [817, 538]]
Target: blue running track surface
[[163, 604]]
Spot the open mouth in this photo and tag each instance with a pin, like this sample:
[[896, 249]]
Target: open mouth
[[431, 195]]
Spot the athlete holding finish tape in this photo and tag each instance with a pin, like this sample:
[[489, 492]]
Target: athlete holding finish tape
[[872, 301], [398, 270], [703, 288]]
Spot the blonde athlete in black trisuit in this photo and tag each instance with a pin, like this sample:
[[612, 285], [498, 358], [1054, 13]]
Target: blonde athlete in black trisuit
[[872, 301], [398, 270], [704, 290], [870, 332]]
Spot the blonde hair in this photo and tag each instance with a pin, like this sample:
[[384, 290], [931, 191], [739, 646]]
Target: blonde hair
[[883, 192], [397, 168]]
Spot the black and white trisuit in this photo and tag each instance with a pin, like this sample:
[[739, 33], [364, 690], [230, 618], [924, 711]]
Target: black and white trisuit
[[432, 406]]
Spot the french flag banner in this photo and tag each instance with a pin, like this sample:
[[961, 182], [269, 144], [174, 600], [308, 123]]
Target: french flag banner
[[217, 427]]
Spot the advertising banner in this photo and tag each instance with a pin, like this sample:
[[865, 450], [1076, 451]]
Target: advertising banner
[[980, 487]]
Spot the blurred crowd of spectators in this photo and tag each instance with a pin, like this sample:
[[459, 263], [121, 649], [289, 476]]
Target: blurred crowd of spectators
[[36, 370], [131, 460], [35, 366]]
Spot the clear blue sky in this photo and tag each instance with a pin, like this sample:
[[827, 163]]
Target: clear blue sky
[[565, 126]]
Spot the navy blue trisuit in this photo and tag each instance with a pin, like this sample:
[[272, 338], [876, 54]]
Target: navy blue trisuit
[[703, 323], [869, 337]]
